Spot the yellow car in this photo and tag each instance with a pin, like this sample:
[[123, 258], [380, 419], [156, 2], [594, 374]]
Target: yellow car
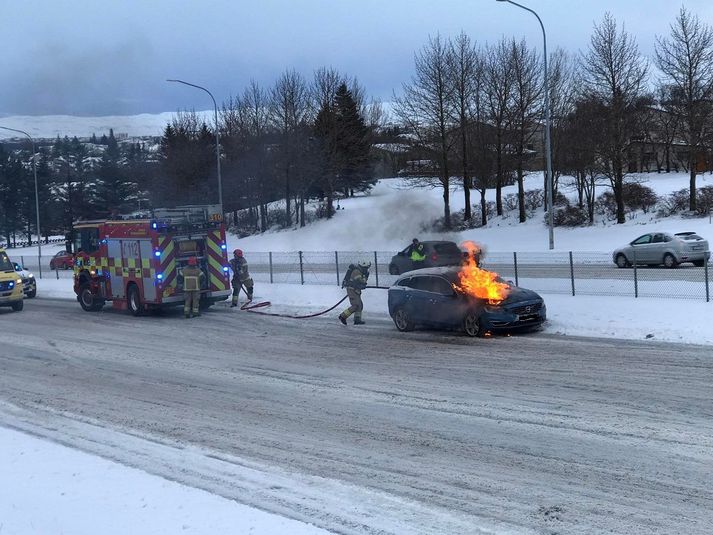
[[11, 290]]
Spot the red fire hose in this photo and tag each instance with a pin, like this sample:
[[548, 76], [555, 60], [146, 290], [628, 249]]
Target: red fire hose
[[250, 307]]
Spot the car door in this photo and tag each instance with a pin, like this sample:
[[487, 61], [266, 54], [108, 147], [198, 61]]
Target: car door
[[443, 302], [420, 306], [657, 249], [641, 250]]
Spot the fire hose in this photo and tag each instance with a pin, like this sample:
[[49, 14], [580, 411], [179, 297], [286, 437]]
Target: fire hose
[[251, 307]]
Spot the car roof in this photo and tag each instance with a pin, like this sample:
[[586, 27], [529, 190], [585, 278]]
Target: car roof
[[436, 242], [449, 272]]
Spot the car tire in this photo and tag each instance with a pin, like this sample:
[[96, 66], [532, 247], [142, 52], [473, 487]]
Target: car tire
[[87, 300], [669, 261], [394, 269], [402, 321], [52, 266], [699, 263], [133, 300], [621, 261], [18, 306], [471, 325], [32, 294]]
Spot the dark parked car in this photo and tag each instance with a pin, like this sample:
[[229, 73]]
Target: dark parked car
[[427, 297], [664, 248], [62, 260], [438, 253]]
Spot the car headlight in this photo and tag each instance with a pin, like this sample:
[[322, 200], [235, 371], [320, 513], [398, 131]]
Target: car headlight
[[19, 281], [30, 276]]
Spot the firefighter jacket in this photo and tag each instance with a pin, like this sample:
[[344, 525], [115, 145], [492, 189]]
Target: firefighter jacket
[[193, 278], [357, 279], [240, 268]]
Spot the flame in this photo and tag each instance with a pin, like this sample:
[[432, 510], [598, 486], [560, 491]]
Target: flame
[[478, 282]]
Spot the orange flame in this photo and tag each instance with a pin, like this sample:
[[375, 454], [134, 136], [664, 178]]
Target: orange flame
[[478, 282]]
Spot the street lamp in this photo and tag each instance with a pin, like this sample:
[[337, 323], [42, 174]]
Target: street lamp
[[548, 150], [217, 139], [37, 196]]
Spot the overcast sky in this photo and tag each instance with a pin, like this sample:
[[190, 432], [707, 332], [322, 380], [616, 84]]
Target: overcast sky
[[111, 57]]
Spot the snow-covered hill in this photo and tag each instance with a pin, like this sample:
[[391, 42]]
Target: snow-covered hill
[[393, 214], [51, 126]]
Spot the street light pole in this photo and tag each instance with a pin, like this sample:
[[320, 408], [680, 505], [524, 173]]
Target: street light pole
[[217, 139], [548, 149], [37, 197]]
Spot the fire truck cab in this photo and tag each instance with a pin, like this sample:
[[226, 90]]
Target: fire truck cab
[[136, 261]]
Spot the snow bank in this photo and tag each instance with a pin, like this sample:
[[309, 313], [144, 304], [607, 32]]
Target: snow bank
[[56, 489]]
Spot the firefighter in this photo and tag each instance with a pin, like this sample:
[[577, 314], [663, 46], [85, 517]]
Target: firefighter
[[355, 281], [416, 254], [193, 279], [241, 277]]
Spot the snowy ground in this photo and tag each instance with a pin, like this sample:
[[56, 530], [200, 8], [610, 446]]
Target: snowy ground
[[51, 489]]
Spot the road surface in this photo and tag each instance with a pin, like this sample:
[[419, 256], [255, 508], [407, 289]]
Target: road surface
[[367, 430]]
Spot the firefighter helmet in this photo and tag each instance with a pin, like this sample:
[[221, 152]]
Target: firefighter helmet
[[193, 261], [364, 264], [238, 252]]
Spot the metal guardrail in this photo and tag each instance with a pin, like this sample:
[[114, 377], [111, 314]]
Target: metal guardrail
[[574, 273]]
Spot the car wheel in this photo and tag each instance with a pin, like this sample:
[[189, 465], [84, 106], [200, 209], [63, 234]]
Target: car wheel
[[621, 261], [18, 306], [402, 321], [32, 293], [87, 300], [52, 265], [134, 300], [669, 261], [698, 263], [471, 324], [394, 269]]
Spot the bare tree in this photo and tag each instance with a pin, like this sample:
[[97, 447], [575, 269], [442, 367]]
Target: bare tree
[[686, 60], [524, 110], [426, 108], [463, 63], [615, 74], [564, 78], [498, 97], [289, 108]]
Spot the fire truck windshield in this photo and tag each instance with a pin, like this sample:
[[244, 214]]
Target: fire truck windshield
[[86, 240]]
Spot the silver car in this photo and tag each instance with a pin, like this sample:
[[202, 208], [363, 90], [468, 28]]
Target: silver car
[[664, 248]]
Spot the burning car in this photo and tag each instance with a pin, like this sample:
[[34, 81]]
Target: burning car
[[468, 298]]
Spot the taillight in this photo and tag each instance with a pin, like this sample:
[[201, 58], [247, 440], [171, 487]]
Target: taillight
[[434, 256]]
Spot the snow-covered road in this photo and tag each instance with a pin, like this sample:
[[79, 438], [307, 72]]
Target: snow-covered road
[[374, 431]]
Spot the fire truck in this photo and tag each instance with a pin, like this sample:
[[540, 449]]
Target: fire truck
[[136, 261]]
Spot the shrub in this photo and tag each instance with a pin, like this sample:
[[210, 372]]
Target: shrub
[[322, 211], [639, 197], [606, 205], [704, 200], [534, 199], [510, 202], [560, 199], [674, 203], [570, 216]]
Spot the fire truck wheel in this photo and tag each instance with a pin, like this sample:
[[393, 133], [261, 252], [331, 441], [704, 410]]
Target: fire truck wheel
[[134, 300], [87, 300]]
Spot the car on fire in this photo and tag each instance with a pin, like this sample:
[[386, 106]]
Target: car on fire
[[665, 248], [438, 253], [433, 297], [29, 284]]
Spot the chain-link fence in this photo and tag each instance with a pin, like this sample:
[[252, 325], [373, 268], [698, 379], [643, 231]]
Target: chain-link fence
[[574, 273]]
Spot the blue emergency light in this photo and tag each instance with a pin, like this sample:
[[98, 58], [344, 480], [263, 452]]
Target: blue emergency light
[[223, 246], [157, 253], [159, 276]]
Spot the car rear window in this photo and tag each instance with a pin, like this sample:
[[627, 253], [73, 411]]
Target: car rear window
[[447, 249], [687, 236]]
